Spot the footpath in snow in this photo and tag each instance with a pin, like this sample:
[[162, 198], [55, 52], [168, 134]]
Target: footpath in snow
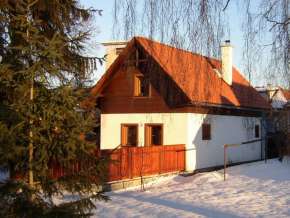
[[251, 190]]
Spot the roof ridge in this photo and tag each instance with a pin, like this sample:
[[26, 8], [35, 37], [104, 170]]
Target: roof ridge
[[181, 49]]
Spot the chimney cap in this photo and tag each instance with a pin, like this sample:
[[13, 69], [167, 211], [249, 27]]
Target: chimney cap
[[114, 43], [226, 43]]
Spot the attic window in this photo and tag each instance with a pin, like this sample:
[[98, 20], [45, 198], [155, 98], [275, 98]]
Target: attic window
[[141, 86]]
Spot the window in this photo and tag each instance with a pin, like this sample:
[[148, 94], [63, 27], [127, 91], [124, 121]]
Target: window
[[206, 131], [129, 134], [153, 134], [257, 131], [141, 86]]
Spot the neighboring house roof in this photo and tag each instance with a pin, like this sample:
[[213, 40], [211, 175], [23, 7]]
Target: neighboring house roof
[[196, 75], [277, 96], [286, 93]]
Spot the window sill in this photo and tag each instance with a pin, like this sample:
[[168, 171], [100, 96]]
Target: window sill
[[141, 97]]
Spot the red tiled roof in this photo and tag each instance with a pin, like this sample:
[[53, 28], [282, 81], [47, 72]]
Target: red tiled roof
[[286, 93], [196, 76]]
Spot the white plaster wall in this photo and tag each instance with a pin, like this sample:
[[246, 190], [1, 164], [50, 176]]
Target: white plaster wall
[[278, 100], [174, 127], [224, 130], [185, 128]]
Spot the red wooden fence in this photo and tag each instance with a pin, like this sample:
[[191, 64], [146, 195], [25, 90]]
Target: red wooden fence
[[130, 162]]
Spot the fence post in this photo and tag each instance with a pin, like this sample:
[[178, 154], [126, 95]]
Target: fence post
[[160, 155], [131, 162], [141, 171], [121, 163], [177, 160], [225, 161]]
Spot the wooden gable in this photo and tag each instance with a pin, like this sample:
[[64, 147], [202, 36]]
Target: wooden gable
[[118, 96]]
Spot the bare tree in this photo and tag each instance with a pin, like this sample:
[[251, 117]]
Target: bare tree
[[270, 27], [199, 26], [196, 25]]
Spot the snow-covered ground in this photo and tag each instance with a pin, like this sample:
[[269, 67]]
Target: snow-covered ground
[[251, 190]]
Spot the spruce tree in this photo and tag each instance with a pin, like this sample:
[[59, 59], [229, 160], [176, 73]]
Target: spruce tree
[[42, 73]]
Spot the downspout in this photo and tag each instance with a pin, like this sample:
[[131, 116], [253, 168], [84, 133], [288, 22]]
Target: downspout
[[264, 141]]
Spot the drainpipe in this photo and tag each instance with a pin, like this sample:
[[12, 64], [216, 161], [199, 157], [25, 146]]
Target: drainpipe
[[264, 141]]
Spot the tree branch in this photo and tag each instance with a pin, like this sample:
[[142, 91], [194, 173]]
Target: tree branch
[[226, 5]]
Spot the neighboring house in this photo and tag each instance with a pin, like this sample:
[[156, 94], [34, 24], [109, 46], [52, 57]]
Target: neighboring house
[[279, 98], [278, 120], [155, 94], [275, 95]]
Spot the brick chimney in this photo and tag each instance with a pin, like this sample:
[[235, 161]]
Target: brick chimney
[[227, 62], [113, 49]]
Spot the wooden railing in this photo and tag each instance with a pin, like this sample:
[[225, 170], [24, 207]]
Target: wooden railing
[[130, 162]]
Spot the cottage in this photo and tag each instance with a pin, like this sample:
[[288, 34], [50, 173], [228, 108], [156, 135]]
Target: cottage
[[277, 96], [279, 116], [155, 94]]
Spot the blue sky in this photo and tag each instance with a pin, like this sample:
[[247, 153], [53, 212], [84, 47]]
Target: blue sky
[[104, 24]]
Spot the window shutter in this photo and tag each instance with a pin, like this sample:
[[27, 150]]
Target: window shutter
[[148, 135], [123, 135], [136, 86]]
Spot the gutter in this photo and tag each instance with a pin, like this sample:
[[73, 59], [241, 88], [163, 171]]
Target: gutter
[[205, 104]]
